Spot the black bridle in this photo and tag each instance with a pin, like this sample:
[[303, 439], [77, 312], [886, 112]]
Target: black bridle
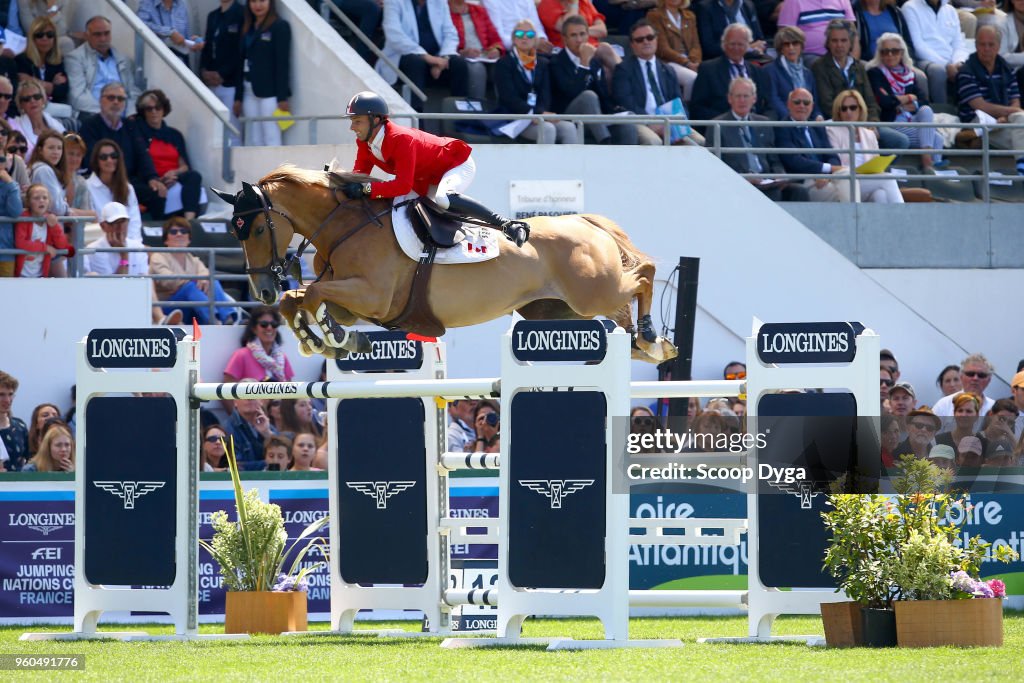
[[279, 267]]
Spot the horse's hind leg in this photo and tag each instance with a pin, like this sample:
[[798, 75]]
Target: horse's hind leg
[[647, 341]]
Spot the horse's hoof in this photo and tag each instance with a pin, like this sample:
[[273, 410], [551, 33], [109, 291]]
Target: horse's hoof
[[304, 350]]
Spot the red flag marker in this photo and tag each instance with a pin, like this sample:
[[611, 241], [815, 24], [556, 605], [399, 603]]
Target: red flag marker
[[411, 336]]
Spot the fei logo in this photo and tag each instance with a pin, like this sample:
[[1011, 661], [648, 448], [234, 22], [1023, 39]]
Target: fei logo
[[556, 489], [380, 490], [804, 490], [129, 491]]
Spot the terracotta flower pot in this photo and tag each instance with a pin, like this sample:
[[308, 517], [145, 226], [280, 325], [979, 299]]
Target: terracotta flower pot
[[931, 623], [265, 612], [842, 623]]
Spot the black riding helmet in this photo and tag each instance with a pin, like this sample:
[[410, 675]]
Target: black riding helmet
[[367, 103]]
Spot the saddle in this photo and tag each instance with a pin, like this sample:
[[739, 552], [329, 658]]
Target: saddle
[[434, 225]]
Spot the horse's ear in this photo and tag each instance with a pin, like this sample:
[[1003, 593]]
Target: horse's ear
[[229, 198]]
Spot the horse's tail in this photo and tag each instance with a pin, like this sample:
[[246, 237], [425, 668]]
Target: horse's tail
[[632, 258]]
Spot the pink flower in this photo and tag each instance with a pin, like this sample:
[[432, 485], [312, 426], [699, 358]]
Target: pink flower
[[998, 588]]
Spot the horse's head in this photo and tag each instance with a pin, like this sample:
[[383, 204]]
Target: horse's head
[[264, 241]]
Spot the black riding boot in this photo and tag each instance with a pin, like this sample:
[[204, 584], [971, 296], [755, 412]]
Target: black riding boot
[[460, 204]]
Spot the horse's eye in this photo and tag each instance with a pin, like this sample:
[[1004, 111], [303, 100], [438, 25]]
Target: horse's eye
[[259, 230]]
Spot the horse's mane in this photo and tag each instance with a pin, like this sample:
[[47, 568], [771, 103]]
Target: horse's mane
[[291, 174]]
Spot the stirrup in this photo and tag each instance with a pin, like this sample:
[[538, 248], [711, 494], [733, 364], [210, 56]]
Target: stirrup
[[516, 231]]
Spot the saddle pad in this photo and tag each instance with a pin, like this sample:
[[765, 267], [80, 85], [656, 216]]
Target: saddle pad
[[481, 244]]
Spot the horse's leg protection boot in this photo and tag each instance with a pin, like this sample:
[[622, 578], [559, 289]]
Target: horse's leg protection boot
[[516, 231]]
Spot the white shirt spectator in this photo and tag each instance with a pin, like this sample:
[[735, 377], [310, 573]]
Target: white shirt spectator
[[107, 262], [937, 37], [944, 406], [101, 196], [460, 436]]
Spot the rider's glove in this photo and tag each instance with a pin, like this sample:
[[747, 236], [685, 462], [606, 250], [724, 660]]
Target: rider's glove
[[353, 190]]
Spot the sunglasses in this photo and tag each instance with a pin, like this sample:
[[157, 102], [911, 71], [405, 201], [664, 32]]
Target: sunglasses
[[44, 34], [849, 107], [645, 38], [213, 439], [887, 382], [6, 95], [29, 98], [927, 426], [108, 155], [524, 34], [804, 103], [150, 107], [742, 374], [115, 98], [269, 323], [890, 51], [179, 231], [974, 374], [17, 149]]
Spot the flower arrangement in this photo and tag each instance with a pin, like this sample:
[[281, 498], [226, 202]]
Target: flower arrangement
[[251, 552]]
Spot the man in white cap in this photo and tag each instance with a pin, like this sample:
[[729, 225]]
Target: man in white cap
[[114, 221], [943, 456]]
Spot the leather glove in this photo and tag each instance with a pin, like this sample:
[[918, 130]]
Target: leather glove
[[352, 190]]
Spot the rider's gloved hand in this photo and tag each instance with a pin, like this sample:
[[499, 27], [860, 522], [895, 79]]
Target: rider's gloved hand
[[352, 190]]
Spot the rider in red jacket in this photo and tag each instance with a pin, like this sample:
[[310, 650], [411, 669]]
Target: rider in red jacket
[[422, 165]]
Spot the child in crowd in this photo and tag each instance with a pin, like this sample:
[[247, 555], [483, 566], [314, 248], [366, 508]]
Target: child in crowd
[[275, 454], [44, 238], [303, 452]]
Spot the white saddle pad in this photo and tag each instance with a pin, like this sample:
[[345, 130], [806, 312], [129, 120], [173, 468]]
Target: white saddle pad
[[480, 244]]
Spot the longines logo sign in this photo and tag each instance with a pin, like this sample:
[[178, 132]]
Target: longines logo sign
[[806, 343], [389, 351], [139, 348], [569, 340]]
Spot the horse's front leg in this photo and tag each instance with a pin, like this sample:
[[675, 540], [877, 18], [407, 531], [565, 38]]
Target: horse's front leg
[[299, 322], [330, 302]]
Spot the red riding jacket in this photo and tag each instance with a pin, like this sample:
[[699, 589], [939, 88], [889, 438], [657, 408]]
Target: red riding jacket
[[416, 159]]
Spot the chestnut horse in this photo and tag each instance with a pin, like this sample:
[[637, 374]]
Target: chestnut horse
[[571, 267]]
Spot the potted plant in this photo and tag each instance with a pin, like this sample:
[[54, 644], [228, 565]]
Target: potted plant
[[262, 597]]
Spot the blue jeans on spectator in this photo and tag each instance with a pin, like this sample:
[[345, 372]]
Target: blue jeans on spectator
[[190, 292], [889, 138]]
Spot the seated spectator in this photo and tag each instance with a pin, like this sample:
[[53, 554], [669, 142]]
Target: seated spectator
[[220, 64], [965, 420], [261, 354], [894, 84], [711, 89], [890, 433], [579, 85], [109, 183], [1011, 45], [968, 452], [975, 376], [875, 17], [130, 261], [902, 399], [10, 207], [742, 95], [809, 138], [56, 452], [297, 417], [110, 124], [14, 163], [478, 39], [976, 13], [986, 85], [715, 16], [13, 432], [46, 168], [460, 430], [76, 191], [41, 238], [849, 106], [40, 414], [1017, 388], [789, 72], [31, 10], [211, 457], [420, 37], [170, 19], [643, 84], [943, 457], [949, 380], [178, 234], [997, 428], [678, 42], [838, 71], [922, 425], [277, 453], [523, 83], [95, 64], [43, 60], [303, 452], [266, 71], [938, 43], [813, 17], [554, 12], [274, 413], [18, 146], [487, 421], [32, 120], [8, 109], [643, 422], [505, 14], [250, 429], [167, 149]]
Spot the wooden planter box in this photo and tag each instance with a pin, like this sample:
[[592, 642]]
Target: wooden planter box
[[265, 612], [843, 626], [968, 623]]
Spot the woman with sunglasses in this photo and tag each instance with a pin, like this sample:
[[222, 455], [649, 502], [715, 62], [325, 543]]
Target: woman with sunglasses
[[849, 106], [13, 163], [193, 285], [262, 354], [32, 119], [42, 60], [31, 10], [17, 145], [212, 449], [524, 87], [170, 157], [109, 183]]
